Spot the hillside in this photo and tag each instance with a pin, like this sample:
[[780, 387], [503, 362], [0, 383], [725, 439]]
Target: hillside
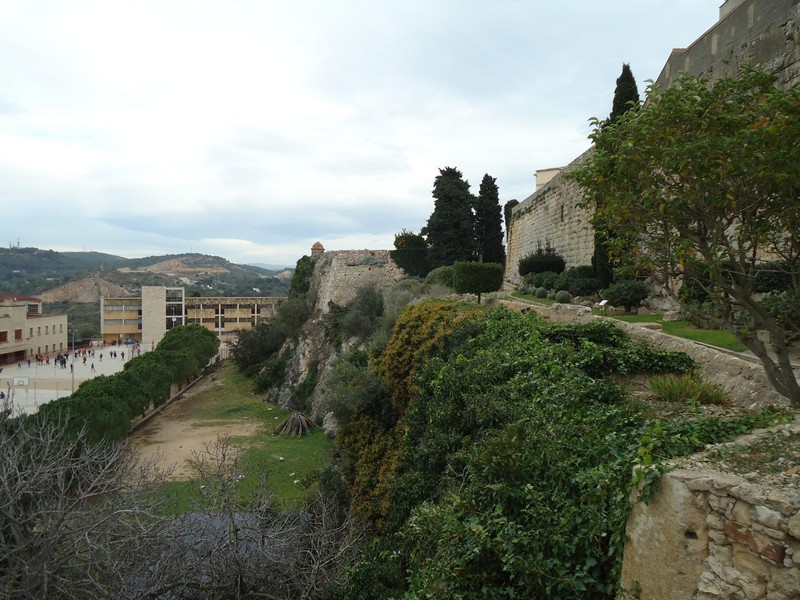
[[84, 276]]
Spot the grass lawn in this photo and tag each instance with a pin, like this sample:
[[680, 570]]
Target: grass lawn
[[285, 462], [682, 329]]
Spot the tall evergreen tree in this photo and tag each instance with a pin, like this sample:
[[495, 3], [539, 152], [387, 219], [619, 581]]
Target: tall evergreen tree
[[626, 97], [450, 230], [625, 93], [489, 222]]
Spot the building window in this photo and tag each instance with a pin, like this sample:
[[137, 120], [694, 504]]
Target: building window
[[39, 331], [31, 333], [3, 336], [47, 329], [18, 334], [60, 328]]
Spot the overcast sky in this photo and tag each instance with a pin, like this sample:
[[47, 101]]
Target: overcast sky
[[251, 129]]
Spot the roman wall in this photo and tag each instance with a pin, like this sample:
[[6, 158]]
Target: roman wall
[[551, 216], [339, 274], [765, 31]]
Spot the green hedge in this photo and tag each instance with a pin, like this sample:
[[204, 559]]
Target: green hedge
[[104, 406]]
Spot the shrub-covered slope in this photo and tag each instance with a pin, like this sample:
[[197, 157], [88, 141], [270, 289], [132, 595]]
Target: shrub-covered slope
[[496, 457]]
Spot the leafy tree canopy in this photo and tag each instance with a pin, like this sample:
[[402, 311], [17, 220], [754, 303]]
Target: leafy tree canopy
[[708, 172], [450, 229], [476, 278]]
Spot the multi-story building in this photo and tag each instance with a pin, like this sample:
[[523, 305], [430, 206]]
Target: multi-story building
[[26, 332], [145, 319]]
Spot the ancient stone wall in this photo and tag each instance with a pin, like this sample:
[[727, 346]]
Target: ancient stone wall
[[707, 534], [766, 32], [551, 215], [339, 274]]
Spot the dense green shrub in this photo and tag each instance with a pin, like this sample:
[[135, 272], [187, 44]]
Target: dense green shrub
[[785, 309], [774, 276], [251, 347], [362, 314], [476, 278], [544, 259], [583, 286], [504, 455], [563, 297], [628, 293], [301, 280], [541, 292], [441, 276], [293, 312], [546, 279], [411, 253], [580, 272]]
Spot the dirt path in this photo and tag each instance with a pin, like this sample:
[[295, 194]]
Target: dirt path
[[175, 434]]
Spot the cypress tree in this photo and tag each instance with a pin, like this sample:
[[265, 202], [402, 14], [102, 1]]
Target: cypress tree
[[625, 93], [626, 97], [489, 222], [450, 230]]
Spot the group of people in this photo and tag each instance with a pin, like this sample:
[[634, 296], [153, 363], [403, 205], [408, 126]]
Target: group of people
[[83, 355]]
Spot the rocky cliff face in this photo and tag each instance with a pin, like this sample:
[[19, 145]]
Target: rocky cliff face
[[337, 277]]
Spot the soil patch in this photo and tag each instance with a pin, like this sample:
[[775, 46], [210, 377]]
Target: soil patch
[[175, 434]]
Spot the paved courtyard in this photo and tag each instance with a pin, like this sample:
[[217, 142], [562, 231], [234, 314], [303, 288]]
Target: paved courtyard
[[29, 387]]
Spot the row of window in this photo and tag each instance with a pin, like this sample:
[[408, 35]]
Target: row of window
[[121, 307], [18, 332]]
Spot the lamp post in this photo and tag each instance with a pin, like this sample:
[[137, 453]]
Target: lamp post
[[72, 359], [173, 322]]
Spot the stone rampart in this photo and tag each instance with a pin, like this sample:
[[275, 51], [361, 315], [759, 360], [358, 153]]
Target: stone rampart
[[764, 31], [551, 216], [339, 274], [767, 32]]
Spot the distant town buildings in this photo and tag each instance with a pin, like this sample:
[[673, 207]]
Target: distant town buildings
[[25, 332], [146, 318]]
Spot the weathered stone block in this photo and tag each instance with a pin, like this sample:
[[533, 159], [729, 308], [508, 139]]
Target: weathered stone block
[[767, 516], [793, 525], [742, 512]]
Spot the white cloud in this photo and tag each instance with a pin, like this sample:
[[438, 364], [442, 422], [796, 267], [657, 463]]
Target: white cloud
[[251, 129]]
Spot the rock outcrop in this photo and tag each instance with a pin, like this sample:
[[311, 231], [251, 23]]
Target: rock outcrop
[[337, 277]]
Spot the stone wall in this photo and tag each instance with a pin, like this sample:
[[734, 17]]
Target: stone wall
[[707, 534], [339, 274], [766, 31], [551, 215]]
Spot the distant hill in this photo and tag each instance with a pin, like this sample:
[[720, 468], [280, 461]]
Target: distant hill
[[84, 276]]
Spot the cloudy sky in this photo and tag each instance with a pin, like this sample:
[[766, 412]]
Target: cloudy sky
[[250, 129]]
